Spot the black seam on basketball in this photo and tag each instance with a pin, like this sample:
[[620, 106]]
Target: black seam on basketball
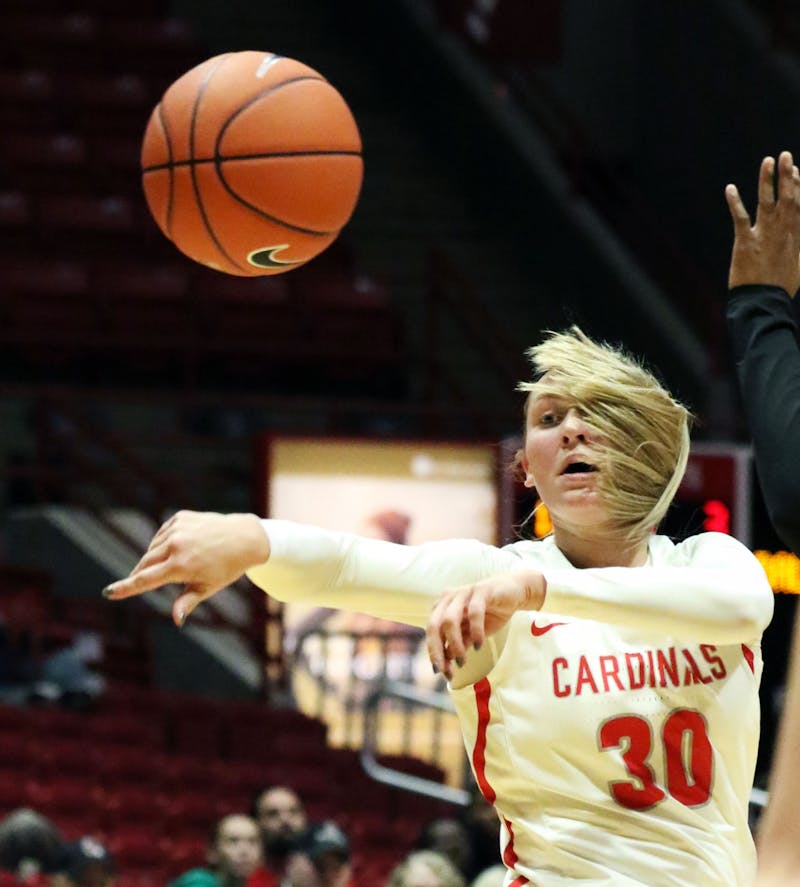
[[199, 161], [264, 215], [253, 99], [219, 160], [171, 190], [195, 186]]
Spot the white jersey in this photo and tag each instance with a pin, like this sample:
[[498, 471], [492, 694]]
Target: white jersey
[[616, 729]]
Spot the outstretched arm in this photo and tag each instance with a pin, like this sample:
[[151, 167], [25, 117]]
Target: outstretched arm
[[764, 275], [205, 552]]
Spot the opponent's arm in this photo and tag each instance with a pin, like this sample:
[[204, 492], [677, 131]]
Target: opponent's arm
[[764, 275]]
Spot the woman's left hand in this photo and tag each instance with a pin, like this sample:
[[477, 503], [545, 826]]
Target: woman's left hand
[[464, 617]]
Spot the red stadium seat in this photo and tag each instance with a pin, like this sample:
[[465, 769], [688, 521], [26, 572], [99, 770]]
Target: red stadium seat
[[125, 729], [57, 725], [130, 805], [96, 104], [135, 847], [195, 810], [63, 796], [242, 314], [58, 41], [27, 100], [19, 753], [184, 773], [118, 765], [114, 161], [67, 758], [47, 303], [165, 46], [44, 161], [193, 724], [14, 720], [14, 790], [17, 222]]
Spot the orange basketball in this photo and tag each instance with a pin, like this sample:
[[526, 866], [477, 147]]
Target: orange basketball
[[251, 163]]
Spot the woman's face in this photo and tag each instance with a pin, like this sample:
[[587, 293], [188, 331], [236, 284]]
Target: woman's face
[[561, 460]]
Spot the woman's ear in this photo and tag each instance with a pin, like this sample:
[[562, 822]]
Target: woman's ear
[[528, 481]]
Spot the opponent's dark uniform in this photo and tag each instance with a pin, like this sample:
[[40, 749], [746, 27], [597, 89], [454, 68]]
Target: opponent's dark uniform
[[765, 336]]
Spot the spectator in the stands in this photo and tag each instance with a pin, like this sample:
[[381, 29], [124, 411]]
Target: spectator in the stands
[[450, 837], [30, 845], [494, 876], [282, 821], [327, 848], [234, 854], [67, 675], [426, 868], [88, 864]]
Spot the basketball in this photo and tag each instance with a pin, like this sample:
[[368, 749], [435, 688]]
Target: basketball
[[251, 163]]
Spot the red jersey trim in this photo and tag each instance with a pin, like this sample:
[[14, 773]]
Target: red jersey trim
[[509, 854], [748, 655], [483, 692]]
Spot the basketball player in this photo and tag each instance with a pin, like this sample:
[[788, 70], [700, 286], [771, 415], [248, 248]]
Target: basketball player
[[764, 278], [606, 678]]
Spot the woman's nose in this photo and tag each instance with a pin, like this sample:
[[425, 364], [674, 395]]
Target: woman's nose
[[573, 427]]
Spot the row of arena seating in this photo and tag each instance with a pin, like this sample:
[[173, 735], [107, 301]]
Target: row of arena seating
[[162, 322], [147, 772], [93, 292], [83, 41], [36, 102], [153, 808]]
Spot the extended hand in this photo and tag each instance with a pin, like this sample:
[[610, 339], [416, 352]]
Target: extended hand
[[466, 616], [769, 251], [203, 551]]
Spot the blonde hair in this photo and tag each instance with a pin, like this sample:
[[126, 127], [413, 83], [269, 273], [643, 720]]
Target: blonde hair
[[643, 432], [438, 864]]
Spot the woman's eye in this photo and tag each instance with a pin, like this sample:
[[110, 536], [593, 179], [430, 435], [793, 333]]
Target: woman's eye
[[548, 419]]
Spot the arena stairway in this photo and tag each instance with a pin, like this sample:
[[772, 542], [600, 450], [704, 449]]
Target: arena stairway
[[85, 551]]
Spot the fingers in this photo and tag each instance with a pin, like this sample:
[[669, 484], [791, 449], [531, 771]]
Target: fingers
[[185, 603], [766, 184], [158, 566], [787, 188], [155, 554], [740, 216], [444, 632], [165, 572], [476, 620], [457, 622]]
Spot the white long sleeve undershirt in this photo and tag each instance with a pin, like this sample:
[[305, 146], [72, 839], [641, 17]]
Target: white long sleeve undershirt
[[708, 589]]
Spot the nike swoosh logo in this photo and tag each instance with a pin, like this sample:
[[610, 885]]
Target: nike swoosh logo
[[538, 631], [265, 257]]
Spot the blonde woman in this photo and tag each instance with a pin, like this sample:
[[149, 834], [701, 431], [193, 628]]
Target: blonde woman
[[426, 868], [606, 678]]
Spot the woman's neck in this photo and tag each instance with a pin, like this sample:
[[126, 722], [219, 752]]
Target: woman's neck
[[584, 550]]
